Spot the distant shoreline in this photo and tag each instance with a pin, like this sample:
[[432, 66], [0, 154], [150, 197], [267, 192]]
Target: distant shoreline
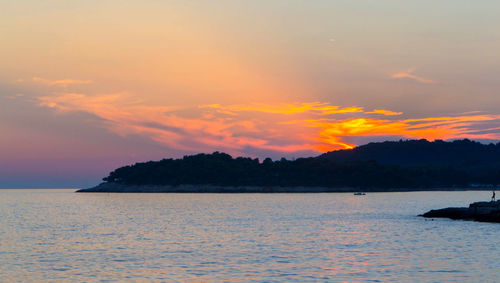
[[412, 165], [122, 188]]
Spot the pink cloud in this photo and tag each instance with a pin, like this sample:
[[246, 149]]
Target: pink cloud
[[287, 127], [408, 74]]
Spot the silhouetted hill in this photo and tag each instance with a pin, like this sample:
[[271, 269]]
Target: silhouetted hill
[[403, 165], [459, 153]]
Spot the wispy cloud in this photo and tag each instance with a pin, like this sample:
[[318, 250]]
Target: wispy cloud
[[285, 108], [206, 131], [287, 127], [384, 112], [430, 128], [408, 74], [62, 82], [15, 96]]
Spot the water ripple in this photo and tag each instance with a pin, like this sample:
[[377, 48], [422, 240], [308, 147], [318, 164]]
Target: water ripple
[[54, 235]]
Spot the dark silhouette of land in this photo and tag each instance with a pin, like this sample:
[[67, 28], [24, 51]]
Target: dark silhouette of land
[[386, 166], [483, 211]]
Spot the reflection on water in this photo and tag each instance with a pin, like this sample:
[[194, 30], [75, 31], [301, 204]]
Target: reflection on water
[[57, 234]]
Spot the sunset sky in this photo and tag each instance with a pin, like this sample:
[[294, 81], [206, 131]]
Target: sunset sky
[[88, 86]]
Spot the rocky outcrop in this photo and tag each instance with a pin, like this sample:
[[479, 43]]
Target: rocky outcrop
[[478, 211]]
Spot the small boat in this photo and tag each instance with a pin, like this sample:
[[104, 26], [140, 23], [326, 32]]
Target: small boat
[[359, 194]]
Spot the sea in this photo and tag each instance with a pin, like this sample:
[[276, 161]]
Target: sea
[[50, 235]]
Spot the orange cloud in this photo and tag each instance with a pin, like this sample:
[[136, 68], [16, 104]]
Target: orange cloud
[[205, 132], [233, 128], [284, 108], [384, 112], [64, 82], [408, 74], [437, 128]]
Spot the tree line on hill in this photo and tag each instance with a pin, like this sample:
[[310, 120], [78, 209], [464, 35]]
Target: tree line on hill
[[409, 164]]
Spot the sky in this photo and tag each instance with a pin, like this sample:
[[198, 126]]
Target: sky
[[89, 86]]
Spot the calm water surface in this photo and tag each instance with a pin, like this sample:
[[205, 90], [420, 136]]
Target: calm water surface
[[57, 235]]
